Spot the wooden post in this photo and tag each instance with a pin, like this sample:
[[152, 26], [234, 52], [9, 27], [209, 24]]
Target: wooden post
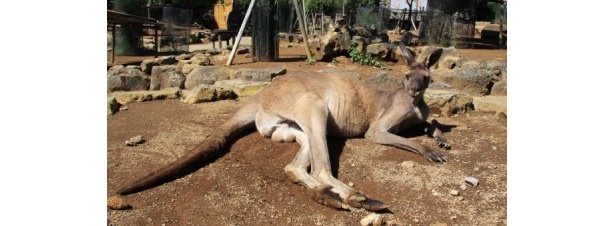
[[264, 38], [238, 39], [501, 24], [113, 44]]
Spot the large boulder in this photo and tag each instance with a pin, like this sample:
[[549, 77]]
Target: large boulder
[[201, 59], [499, 88], [380, 51], [124, 97], [120, 78], [166, 76], [495, 104], [147, 65], [334, 43], [445, 100], [207, 93], [209, 75], [473, 81]]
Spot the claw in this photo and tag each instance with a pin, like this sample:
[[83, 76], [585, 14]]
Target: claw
[[441, 141], [325, 196], [435, 157], [360, 201], [374, 205]]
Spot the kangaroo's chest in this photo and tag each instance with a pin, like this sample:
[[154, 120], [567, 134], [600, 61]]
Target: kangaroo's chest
[[414, 116]]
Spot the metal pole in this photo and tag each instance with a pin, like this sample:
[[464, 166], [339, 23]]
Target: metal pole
[[238, 39], [303, 31]]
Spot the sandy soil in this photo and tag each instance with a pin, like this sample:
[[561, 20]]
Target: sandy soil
[[247, 186]]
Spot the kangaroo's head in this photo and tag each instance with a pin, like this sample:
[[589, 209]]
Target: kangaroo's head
[[417, 75]]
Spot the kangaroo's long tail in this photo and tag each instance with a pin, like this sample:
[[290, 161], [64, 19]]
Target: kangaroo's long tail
[[207, 151]]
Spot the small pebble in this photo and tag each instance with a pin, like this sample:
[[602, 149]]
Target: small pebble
[[476, 169], [454, 192], [408, 164], [471, 180], [463, 187], [135, 140], [350, 184], [372, 219], [416, 220], [352, 164], [117, 203], [453, 217], [460, 198], [435, 193], [123, 108]]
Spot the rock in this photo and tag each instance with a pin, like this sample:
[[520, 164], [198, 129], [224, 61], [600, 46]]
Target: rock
[[439, 224], [147, 65], [207, 93], [117, 203], [127, 97], [126, 79], [182, 63], [112, 105], [499, 88], [472, 181], [241, 87], [463, 187], [172, 79], [473, 81], [134, 141], [447, 101], [373, 219], [408, 164], [384, 81], [332, 71], [201, 59], [409, 39], [350, 184], [380, 51], [161, 76], [185, 56], [335, 42], [360, 43], [243, 50], [208, 75], [454, 192], [214, 51], [263, 75], [495, 104], [187, 68]]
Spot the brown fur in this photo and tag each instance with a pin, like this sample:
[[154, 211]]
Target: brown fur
[[307, 108]]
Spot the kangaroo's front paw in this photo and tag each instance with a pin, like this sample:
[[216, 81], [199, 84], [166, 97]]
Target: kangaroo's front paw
[[441, 141], [435, 156]]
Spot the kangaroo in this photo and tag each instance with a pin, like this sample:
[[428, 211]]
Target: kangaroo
[[307, 108]]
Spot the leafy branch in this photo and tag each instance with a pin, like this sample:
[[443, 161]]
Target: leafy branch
[[365, 59]]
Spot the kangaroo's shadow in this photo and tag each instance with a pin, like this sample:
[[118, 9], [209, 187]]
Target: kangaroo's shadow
[[420, 130]]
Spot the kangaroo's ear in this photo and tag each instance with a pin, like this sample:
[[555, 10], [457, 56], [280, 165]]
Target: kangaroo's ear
[[406, 54], [433, 57]]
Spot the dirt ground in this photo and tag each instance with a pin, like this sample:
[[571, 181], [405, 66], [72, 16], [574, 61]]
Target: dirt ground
[[247, 186]]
